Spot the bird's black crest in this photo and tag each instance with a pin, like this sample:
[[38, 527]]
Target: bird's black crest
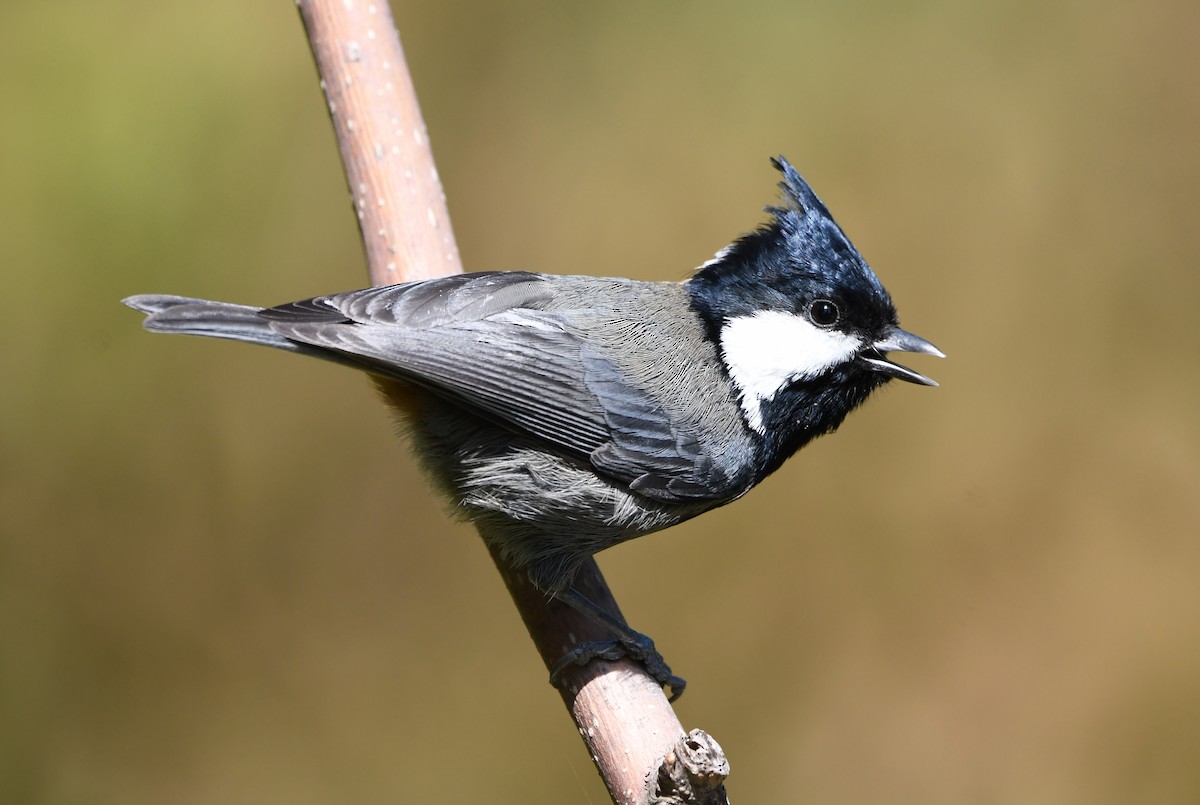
[[800, 253], [799, 200]]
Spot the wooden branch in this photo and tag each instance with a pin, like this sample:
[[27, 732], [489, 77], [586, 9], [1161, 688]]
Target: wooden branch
[[385, 150], [622, 714]]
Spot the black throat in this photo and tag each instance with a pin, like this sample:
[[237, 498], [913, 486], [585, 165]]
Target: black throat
[[806, 409]]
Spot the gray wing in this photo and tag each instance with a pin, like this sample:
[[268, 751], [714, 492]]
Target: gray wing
[[528, 352]]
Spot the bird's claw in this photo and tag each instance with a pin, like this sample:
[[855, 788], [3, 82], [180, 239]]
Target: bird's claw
[[642, 650]]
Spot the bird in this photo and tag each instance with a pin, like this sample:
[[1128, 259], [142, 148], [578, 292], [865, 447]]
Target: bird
[[563, 414]]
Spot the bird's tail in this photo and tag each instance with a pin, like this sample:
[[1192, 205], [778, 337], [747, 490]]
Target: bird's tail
[[180, 314]]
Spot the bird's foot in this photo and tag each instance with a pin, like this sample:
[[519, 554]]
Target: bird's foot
[[627, 642], [642, 650]]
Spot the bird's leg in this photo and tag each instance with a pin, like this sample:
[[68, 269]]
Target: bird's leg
[[628, 643]]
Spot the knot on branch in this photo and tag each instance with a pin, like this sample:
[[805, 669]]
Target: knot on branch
[[693, 773]]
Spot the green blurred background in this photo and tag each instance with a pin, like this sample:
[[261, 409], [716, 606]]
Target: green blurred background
[[222, 579]]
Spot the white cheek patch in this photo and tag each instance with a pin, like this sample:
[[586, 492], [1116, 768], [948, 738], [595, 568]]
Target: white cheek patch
[[768, 350]]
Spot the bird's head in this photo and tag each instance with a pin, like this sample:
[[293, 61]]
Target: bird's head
[[803, 325]]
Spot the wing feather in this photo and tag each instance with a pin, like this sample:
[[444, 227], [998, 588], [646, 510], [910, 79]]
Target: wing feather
[[520, 349]]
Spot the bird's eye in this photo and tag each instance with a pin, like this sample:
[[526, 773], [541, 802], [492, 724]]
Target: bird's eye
[[823, 313]]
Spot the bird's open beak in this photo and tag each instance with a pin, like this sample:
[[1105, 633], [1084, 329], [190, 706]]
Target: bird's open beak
[[897, 340]]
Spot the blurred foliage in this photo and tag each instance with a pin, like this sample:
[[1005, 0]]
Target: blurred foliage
[[221, 578]]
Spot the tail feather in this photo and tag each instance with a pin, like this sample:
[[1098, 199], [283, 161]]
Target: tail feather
[[180, 314]]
